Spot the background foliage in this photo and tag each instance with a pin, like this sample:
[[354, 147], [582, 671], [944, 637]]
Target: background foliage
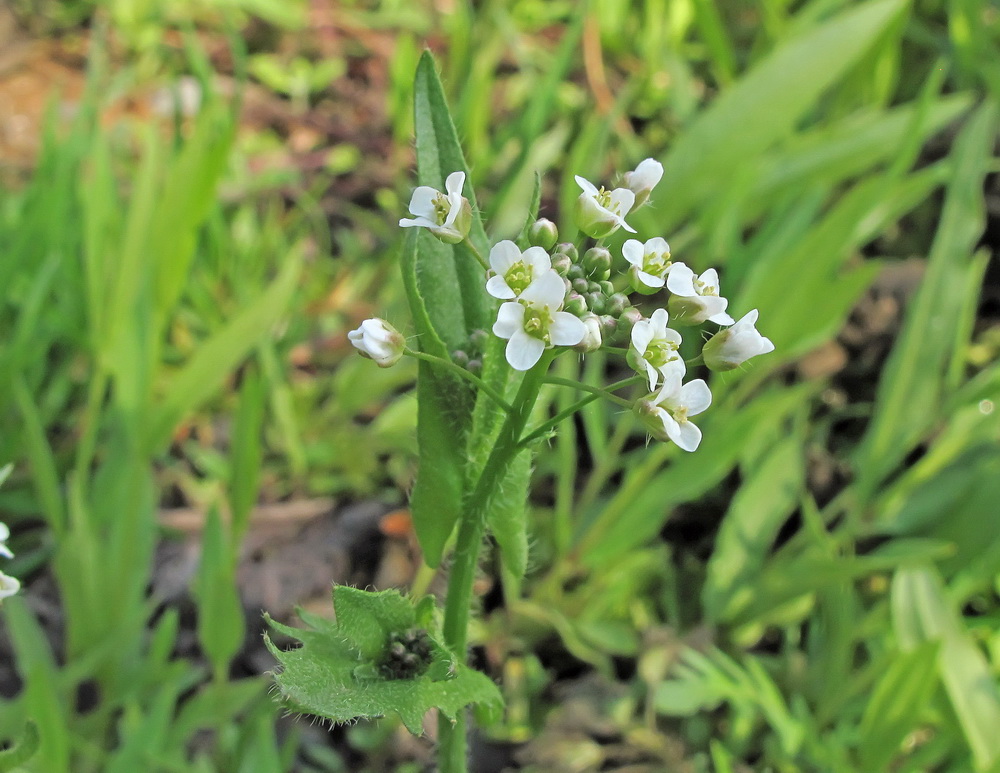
[[815, 589]]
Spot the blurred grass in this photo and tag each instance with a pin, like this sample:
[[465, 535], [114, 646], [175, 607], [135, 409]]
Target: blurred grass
[[160, 282]]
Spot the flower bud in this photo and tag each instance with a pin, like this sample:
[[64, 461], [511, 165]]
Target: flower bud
[[8, 586], [595, 302], [575, 305], [581, 286], [597, 263], [616, 304], [460, 358], [730, 348], [609, 325], [379, 341], [575, 272], [561, 263], [569, 250], [543, 233], [592, 339], [478, 339], [643, 179], [475, 367], [628, 318]]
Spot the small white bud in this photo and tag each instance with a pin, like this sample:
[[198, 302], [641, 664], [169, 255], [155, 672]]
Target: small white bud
[[730, 348], [643, 179], [379, 341]]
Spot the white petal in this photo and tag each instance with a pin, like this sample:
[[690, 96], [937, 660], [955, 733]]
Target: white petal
[[622, 200], [695, 396], [454, 209], [417, 222], [523, 350], [748, 320], [5, 551], [649, 280], [566, 330], [538, 259], [642, 334], [632, 252], [680, 280], [721, 319], [8, 586], [587, 186], [498, 288], [657, 244], [674, 369], [547, 290], [647, 174], [671, 385], [710, 279], [765, 345], [653, 373], [686, 435], [455, 183], [504, 255], [659, 319], [510, 319], [422, 202]]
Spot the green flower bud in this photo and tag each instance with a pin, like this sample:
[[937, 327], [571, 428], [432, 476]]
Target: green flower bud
[[616, 304], [575, 272], [597, 263], [595, 302], [581, 286], [575, 305], [568, 249], [561, 263], [543, 233]]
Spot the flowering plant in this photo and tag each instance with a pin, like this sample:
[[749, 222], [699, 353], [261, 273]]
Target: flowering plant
[[477, 425]]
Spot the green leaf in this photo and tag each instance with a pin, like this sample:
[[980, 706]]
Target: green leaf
[[899, 699], [910, 389], [22, 750], [763, 107], [751, 525], [507, 515], [215, 359], [345, 670], [220, 612], [922, 612], [247, 450]]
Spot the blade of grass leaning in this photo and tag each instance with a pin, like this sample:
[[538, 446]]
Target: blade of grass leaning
[[247, 451], [216, 358], [923, 612], [761, 108], [909, 392]]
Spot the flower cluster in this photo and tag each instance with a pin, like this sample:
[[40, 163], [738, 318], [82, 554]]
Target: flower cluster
[[8, 585], [552, 296]]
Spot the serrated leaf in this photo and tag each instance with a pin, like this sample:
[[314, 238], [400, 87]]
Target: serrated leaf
[[336, 672]]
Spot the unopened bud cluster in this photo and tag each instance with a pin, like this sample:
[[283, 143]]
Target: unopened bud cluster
[[567, 295], [407, 654]]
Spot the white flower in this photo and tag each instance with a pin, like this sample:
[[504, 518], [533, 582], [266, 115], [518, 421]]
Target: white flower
[[4, 536], [534, 323], [447, 216], [515, 270], [8, 586], [643, 179], [379, 341], [667, 415], [655, 348], [730, 348], [602, 212], [696, 299], [651, 267]]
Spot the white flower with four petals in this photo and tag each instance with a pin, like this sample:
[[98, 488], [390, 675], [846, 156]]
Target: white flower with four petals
[[446, 215], [667, 415], [655, 348], [602, 212], [379, 341], [534, 322], [696, 299], [651, 268], [515, 270], [643, 179], [730, 348]]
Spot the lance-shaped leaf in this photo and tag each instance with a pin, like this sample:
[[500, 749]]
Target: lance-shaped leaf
[[381, 656]]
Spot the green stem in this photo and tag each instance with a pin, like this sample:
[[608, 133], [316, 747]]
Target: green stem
[[479, 256], [460, 371], [595, 393], [458, 603], [598, 391]]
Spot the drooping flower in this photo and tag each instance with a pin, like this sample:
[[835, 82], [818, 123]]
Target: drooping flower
[[696, 299], [654, 348], [534, 322], [593, 338], [651, 268], [379, 341], [4, 536], [602, 212], [8, 586], [667, 415], [730, 348], [446, 215], [643, 179], [515, 270]]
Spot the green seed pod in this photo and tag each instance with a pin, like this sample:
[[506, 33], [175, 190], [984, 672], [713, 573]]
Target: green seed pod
[[543, 233], [597, 263]]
